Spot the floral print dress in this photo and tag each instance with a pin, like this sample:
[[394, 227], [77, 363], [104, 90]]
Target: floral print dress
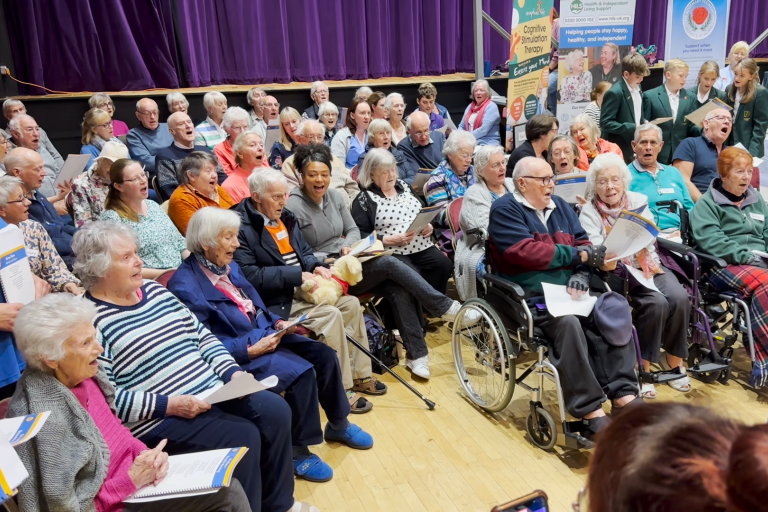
[[89, 193], [576, 88], [43, 258]]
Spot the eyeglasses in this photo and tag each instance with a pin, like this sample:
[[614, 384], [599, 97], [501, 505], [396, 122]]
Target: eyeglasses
[[21, 200], [108, 124], [137, 179], [613, 181], [105, 106], [151, 113], [465, 156], [722, 119], [498, 165], [545, 180], [422, 134]]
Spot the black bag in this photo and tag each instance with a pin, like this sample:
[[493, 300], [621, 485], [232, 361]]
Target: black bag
[[381, 343]]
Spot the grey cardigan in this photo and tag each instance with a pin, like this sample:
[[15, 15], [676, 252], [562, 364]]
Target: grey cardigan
[[475, 213], [68, 459], [327, 229]]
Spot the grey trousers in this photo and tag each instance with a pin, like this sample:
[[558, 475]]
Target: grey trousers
[[407, 292], [227, 499]]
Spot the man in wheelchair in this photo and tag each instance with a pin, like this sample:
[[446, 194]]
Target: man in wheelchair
[[535, 237]]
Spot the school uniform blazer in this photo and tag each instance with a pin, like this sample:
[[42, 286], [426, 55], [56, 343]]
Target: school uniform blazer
[[656, 105], [693, 93], [617, 118], [750, 122]]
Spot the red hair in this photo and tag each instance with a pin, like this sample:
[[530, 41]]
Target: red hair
[[728, 158]]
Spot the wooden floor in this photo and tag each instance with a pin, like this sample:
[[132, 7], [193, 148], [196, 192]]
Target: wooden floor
[[457, 458]]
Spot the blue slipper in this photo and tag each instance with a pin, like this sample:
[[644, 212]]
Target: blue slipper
[[353, 436], [312, 469]]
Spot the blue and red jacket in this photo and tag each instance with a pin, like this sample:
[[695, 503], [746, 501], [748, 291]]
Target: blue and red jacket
[[525, 251]]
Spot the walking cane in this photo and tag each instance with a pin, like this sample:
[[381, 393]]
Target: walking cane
[[365, 351]]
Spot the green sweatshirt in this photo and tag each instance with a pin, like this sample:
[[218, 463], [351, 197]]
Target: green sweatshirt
[[728, 231]]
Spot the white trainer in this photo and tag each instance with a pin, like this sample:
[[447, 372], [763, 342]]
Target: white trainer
[[471, 317], [419, 367]]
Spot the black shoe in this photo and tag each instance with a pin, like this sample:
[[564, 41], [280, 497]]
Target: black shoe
[[594, 426]]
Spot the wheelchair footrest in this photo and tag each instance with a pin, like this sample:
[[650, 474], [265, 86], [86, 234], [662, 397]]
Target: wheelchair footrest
[[708, 368], [573, 437], [661, 377]]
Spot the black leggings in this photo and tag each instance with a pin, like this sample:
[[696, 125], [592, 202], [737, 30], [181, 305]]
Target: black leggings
[[432, 265]]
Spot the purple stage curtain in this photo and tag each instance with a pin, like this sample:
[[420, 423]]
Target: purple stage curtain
[[95, 45], [651, 24], [746, 22], [264, 41]]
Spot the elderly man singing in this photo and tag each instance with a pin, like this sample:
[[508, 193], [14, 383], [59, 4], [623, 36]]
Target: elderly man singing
[[536, 238], [422, 148]]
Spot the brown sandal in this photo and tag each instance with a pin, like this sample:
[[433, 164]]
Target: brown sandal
[[369, 386], [355, 406]]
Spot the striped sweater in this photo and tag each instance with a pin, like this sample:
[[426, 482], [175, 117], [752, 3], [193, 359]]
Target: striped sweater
[[154, 350]]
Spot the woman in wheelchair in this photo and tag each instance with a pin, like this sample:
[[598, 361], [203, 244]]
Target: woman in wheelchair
[[328, 228], [729, 222], [536, 237], [491, 184], [663, 311]]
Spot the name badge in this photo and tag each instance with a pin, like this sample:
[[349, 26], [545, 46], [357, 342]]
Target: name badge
[[282, 235], [32, 253], [667, 191], [758, 216]]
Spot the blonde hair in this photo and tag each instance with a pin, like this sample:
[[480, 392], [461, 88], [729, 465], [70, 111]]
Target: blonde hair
[[91, 120], [675, 64], [708, 67], [287, 114], [740, 45], [749, 92]]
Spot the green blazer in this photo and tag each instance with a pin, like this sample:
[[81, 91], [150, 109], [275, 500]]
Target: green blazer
[[750, 122], [617, 118], [656, 105], [693, 92]]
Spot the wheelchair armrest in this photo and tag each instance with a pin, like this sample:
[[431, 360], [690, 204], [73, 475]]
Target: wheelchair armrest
[[479, 232], [704, 258], [505, 285], [673, 246]]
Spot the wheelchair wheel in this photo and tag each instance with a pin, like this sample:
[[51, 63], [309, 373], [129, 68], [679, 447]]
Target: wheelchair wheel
[[542, 429], [483, 356], [697, 354]]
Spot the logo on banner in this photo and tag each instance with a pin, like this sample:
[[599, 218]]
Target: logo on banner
[[577, 6], [699, 19]]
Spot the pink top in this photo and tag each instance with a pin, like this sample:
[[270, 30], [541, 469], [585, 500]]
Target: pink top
[[119, 128], [123, 447], [226, 157], [236, 184], [225, 286]]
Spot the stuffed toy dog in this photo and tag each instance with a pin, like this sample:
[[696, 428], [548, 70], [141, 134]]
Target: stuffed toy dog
[[347, 271]]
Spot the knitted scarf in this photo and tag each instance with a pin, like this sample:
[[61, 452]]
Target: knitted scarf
[[455, 185], [98, 142], [203, 261], [608, 216], [480, 110]]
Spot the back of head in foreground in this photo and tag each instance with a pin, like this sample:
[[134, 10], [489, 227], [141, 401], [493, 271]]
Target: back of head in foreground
[[676, 457]]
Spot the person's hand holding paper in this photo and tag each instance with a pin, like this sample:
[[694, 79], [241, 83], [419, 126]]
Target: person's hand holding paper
[[186, 406]]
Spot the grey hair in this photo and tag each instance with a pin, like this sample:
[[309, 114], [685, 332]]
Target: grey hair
[[483, 158], [315, 85], [240, 142], [259, 182], [8, 183], [92, 245], [14, 125], [592, 128], [644, 128], [194, 163], [311, 122], [175, 96], [9, 104], [375, 159], [485, 85], [570, 60], [392, 97], [232, 115], [97, 98], [523, 168], [210, 99], [44, 325], [380, 125], [601, 163], [456, 140], [207, 224], [327, 107], [363, 89], [252, 93]]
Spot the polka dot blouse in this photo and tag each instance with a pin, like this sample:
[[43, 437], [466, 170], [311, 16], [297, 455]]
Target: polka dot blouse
[[394, 216]]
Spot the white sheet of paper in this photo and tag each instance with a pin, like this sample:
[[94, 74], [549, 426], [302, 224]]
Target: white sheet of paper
[[568, 186], [15, 273], [72, 168], [148, 499], [661, 120], [447, 126], [755, 161], [630, 234], [273, 135], [241, 386], [638, 274], [192, 474], [22, 428], [12, 470], [363, 244], [560, 303], [423, 218]]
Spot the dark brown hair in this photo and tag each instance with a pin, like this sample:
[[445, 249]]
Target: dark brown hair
[[539, 125], [375, 98], [749, 93], [352, 110], [114, 200], [670, 456]]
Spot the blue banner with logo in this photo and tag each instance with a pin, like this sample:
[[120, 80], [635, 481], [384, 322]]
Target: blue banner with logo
[[697, 31]]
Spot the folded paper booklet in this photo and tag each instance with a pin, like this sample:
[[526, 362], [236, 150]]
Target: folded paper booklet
[[698, 115], [73, 167], [303, 318], [238, 387], [569, 186], [420, 180], [273, 135], [629, 234], [193, 474], [424, 217], [15, 273], [13, 432], [449, 125], [661, 120]]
